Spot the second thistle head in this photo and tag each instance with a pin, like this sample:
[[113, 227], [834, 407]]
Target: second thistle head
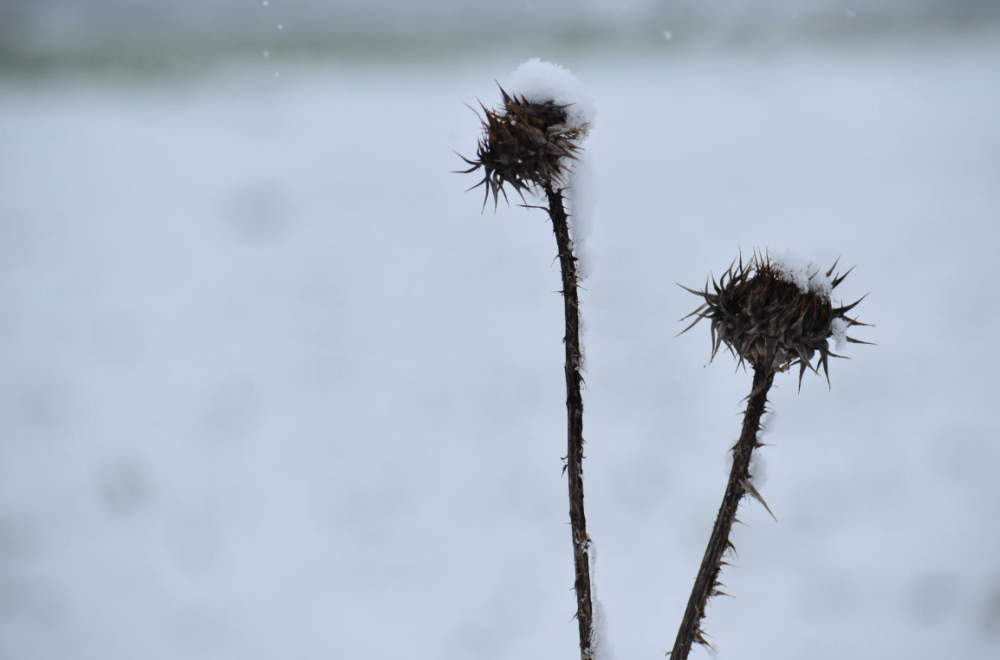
[[525, 144], [773, 314]]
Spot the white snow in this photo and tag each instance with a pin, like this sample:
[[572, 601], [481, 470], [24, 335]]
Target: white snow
[[803, 272], [540, 81], [767, 422], [839, 328], [758, 469], [602, 648], [599, 633], [582, 196]]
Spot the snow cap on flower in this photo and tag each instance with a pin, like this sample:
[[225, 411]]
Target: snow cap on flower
[[774, 313], [528, 141], [540, 81]]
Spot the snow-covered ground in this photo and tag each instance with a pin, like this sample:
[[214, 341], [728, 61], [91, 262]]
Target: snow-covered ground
[[272, 386]]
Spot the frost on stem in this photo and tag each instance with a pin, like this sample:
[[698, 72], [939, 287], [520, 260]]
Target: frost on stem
[[600, 647], [774, 315]]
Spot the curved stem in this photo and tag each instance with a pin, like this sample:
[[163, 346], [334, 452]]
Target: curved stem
[[706, 583], [574, 419]]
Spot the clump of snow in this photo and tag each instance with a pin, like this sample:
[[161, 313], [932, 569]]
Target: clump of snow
[[801, 272], [540, 81], [758, 469], [582, 196], [599, 642], [766, 424], [838, 327], [599, 631]]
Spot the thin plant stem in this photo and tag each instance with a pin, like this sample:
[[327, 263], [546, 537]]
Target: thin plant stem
[[707, 583], [574, 419]]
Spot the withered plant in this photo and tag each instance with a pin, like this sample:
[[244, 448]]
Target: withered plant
[[767, 320], [529, 145]]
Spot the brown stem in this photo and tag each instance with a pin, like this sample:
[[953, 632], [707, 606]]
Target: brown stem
[[574, 418], [707, 582]]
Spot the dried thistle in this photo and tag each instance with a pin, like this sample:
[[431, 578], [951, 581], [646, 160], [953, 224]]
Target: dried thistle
[[527, 144], [524, 144], [766, 318], [771, 317]]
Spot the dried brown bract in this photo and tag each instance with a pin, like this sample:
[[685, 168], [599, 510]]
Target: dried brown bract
[[765, 318], [524, 144]]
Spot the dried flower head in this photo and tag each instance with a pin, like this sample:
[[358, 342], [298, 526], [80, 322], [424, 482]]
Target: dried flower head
[[774, 317], [524, 144]]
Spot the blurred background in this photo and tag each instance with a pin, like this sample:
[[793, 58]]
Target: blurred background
[[273, 385], [147, 36]]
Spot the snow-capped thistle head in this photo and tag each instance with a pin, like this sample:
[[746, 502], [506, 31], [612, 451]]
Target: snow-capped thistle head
[[525, 144], [773, 313]]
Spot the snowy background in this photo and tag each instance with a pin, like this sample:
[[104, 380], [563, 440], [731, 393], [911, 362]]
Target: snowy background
[[272, 386]]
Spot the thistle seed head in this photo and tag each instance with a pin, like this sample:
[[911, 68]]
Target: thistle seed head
[[524, 144], [765, 318]]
